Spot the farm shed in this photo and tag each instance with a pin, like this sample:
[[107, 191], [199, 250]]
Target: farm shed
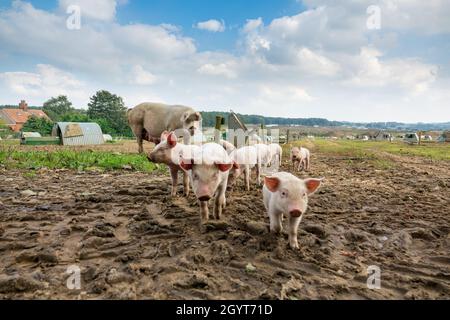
[[78, 133], [31, 135], [383, 136], [411, 138]]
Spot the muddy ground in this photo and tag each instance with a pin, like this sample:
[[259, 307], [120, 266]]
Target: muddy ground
[[132, 241]]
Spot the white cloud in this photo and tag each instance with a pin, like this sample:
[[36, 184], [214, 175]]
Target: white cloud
[[211, 25], [104, 10], [426, 17], [105, 49], [252, 25], [322, 62], [45, 82], [314, 63], [221, 69], [142, 77], [409, 74]]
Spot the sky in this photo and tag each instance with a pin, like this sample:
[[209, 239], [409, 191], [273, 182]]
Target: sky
[[353, 60]]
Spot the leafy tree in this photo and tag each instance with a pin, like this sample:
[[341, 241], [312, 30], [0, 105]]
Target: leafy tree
[[57, 107], [109, 107], [104, 125], [37, 124], [76, 116]]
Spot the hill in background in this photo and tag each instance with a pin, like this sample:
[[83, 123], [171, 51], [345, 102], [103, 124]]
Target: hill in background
[[209, 120]]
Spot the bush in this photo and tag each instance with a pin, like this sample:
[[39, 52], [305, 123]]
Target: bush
[[37, 124]]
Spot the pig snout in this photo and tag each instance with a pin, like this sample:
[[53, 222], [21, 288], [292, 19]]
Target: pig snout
[[203, 193], [150, 157], [295, 213]]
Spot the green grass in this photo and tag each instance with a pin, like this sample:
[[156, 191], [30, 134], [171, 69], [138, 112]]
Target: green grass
[[10, 142], [71, 159], [373, 151]]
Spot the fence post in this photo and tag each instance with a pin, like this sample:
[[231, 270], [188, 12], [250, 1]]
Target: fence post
[[218, 127]]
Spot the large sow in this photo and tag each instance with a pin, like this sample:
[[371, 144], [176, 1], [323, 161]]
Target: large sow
[[149, 120]]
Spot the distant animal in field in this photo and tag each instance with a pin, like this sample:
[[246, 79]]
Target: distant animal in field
[[276, 153], [149, 120], [244, 160], [300, 158]]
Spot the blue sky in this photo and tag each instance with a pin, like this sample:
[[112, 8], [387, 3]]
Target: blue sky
[[292, 58], [185, 14]]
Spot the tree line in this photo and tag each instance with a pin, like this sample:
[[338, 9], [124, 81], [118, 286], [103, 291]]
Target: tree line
[[209, 120], [104, 108]]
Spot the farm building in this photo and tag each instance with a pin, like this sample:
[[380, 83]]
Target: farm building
[[16, 118], [444, 137], [383, 136], [78, 134], [411, 138]]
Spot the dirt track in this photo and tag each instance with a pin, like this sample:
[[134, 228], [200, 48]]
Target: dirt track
[[131, 240]]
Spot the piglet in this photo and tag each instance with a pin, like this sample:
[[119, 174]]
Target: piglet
[[244, 159], [169, 151], [284, 193], [300, 158], [263, 159], [208, 169], [276, 153]]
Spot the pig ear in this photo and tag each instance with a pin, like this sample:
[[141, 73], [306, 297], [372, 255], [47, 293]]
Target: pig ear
[[172, 140], [198, 116], [186, 165], [312, 185], [236, 165], [272, 183], [164, 135], [224, 166]]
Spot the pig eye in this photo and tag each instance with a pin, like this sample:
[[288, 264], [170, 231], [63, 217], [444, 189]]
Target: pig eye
[[195, 176], [283, 193]]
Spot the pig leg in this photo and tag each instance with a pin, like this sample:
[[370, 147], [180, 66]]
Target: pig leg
[[219, 201], [140, 144], [258, 173], [186, 183], [275, 221], [293, 228], [139, 133], [307, 163], [174, 175], [204, 212], [247, 177]]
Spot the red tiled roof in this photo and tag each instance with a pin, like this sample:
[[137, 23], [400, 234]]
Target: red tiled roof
[[21, 116]]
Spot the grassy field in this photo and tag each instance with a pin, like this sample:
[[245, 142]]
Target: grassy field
[[374, 151], [122, 155], [13, 157]]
